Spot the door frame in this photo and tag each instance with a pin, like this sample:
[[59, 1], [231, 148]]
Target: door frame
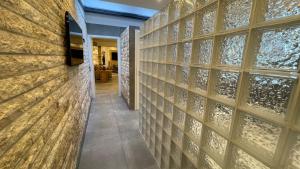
[[119, 59]]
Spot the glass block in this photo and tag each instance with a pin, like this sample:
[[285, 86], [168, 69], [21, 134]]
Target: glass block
[[187, 53], [157, 148], [166, 140], [162, 54], [216, 143], [160, 86], [156, 21], [173, 163], [186, 163], [203, 2], [153, 112], [160, 102], [294, 154], [174, 32], [148, 69], [175, 152], [270, 93], [199, 79], [188, 28], [164, 16], [177, 136], [179, 118], [241, 159], [227, 84], [237, 13], [156, 38], [146, 44], [164, 162], [165, 153], [193, 128], [159, 117], [260, 134], [204, 50], [221, 116], [172, 54], [142, 29], [170, 73], [175, 9], [149, 25], [191, 148], [169, 91], [146, 27], [279, 49], [208, 163], [163, 35], [155, 54], [148, 94], [158, 131], [188, 6], [148, 107], [150, 39], [168, 109], [152, 147], [149, 54], [152, 133], [232, 50], [196, 105], [181, 96], [282, 8], [154, 69], [182, 75], [207, 20], [162, 71], [167, 125]]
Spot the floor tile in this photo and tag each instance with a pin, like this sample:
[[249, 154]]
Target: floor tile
[[112, 139]]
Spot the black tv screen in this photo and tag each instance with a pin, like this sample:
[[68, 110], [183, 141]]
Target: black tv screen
[[114, 55], [74, 41]]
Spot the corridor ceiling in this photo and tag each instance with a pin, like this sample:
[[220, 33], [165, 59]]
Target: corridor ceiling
[[151, 4], [145, 8]]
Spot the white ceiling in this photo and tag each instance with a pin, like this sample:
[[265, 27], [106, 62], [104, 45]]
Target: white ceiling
[[145, 8], [151, 4]]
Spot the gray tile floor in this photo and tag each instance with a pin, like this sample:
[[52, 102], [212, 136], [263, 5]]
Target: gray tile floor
[[112, 139]]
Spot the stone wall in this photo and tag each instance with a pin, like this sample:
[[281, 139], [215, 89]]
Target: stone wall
[[43, 102]]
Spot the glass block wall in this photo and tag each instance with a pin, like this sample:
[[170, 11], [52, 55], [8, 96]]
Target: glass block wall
[[219, 84], [125, 80]]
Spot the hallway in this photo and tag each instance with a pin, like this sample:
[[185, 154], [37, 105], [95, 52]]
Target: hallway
[[112, 139]]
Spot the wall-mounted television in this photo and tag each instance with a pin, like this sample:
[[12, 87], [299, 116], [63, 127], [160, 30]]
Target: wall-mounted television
[[114, 55], [74, 41]]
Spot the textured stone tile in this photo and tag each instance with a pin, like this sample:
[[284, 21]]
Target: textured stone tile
[[11, 65], [37, 136], [49, 9], [43, 105], [27, 45], [24, 9], [16, 23], [8, 108], [13, 86]]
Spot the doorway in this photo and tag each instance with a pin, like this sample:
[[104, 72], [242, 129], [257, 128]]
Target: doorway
[[105, 60]]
